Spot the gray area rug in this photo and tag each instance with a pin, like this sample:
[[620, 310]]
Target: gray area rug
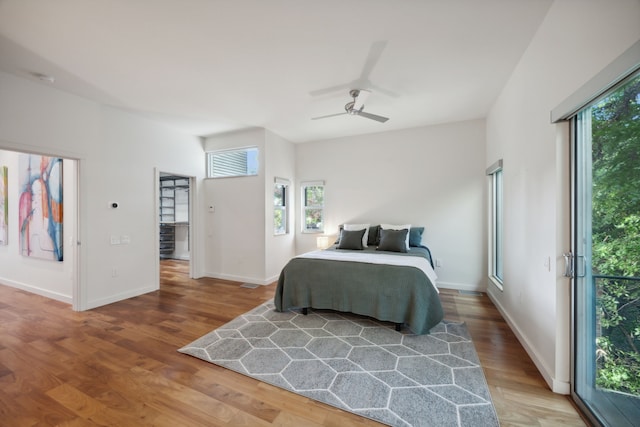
[[358, 364]]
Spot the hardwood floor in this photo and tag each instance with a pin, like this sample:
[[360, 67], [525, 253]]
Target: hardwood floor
[[118, 366]]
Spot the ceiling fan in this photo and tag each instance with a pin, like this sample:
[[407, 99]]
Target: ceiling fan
[[375, 52], [356, 107]]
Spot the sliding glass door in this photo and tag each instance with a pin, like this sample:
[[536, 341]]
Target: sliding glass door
[[606, 257]]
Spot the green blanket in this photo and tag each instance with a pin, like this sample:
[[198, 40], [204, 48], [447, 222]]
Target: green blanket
[[385, 292]]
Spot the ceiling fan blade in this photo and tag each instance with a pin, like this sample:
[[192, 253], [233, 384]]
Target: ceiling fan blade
[[358, 102], [328, 115], [329, 90], [384, 91], [371, 116], [375, 51], [372, 59]]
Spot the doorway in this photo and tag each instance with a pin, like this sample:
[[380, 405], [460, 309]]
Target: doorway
[[53, 277], [175, 217], [605, 265]]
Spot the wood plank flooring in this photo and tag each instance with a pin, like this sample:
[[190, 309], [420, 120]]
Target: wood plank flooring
[[118, 366]]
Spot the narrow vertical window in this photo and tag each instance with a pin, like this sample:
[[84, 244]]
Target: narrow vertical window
[[280, 206], [496, 238], [313, 207]]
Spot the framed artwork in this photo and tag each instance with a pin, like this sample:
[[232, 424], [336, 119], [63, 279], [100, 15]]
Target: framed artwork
[[40, 206], [4, 206]]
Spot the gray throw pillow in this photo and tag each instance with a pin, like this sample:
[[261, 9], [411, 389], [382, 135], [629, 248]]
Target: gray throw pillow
[[393, 240], [351, 239]]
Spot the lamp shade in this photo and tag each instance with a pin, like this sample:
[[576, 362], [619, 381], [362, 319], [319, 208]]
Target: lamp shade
[[322, 242]]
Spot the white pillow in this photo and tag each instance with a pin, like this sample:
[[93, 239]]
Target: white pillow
[[398, 227], [356, 227]]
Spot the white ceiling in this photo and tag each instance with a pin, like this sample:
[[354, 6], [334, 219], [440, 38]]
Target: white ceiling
[[211, 66]]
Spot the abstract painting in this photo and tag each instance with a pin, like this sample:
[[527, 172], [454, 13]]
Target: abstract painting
[[4, 206], [40, 206]]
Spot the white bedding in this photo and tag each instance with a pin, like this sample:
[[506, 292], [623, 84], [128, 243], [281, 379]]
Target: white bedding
[[371, 258]]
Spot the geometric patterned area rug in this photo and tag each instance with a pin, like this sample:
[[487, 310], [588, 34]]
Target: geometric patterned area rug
[[358, 364]]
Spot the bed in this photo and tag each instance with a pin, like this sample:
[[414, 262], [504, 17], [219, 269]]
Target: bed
[[389, 283]]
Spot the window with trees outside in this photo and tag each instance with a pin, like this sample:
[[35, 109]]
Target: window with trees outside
[[313, 207], [280, 206], [496, 240], [615, 217], [604, 261]]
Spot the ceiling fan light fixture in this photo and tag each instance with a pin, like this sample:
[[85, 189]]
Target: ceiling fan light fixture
[[359, 98]]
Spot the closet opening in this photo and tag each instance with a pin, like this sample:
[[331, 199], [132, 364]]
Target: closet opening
[[174, 211]]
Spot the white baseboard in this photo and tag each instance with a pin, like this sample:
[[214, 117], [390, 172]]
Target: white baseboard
[[271, 280], [460, 286], [560, 387], [241, 279], [38, 291], [121, 296]]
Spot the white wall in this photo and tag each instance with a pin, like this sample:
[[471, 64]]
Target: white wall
[[576, 40], [235, 229], [280, 156], [240, 241], [123, 168], [429, 176], [117, 154]]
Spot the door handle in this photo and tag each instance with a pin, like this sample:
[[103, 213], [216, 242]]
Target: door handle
[[568, 265]]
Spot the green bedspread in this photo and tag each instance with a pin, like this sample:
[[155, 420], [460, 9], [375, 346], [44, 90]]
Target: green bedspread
[[391, 293]]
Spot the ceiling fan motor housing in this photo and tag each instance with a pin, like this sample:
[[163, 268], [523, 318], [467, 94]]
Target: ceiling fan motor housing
[[355, 107], [348, 107]]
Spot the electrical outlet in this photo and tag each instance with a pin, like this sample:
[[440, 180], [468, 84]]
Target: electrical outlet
[[438, 262], [114, 272]]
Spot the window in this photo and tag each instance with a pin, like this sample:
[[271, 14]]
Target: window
[[280, 206], [313, 207], [236, 162], [496, 239]]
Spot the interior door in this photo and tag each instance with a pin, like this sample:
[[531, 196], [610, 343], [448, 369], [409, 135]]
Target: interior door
[[605, 260]]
